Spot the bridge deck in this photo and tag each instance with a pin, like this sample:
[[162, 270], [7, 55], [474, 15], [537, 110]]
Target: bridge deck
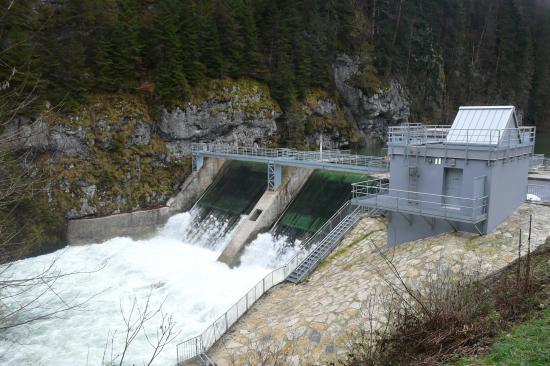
[[327, 160]]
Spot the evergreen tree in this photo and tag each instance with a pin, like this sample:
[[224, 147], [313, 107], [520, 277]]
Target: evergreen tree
[[231, 38], [105, 75], [192, 66], [170, 82], [126, 51], [252, 63], [63, 54], [211, 55], [447, 52], [18, 73]]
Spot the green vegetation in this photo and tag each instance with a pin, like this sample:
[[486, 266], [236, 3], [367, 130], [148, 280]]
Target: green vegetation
[[39, 228], [448, 53], [524, 344], [246, 94]]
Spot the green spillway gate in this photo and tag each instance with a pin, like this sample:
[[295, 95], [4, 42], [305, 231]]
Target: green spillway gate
[[237, 189], [322, 195]]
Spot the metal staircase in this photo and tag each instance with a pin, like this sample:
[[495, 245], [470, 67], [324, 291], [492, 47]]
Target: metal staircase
[[204, 360], [323, 242]]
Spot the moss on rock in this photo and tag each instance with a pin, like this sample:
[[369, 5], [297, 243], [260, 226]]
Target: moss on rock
[[118, 172], [244, 94]]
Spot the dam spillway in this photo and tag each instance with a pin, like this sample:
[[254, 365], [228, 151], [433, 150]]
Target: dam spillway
[[166, 265], [233, 193], [322, 195]]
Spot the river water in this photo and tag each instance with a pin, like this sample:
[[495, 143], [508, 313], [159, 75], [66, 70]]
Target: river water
[[181, 274]]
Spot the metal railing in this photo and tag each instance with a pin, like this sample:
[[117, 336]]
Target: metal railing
[[444, 134], [337, 157], [539, 162], [377, 194], [328, 226], [322, 235], [194, 346], [539, 193]]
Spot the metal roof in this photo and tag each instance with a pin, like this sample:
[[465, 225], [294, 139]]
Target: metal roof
[[482, 125]]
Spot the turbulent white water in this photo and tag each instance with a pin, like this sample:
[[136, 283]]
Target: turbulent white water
[[182, 275]]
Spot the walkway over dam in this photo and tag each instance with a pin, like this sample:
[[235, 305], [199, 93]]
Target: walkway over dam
[[336, 160]]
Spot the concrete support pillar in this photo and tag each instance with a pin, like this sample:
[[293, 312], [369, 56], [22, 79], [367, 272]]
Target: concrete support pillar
[[267, 210]]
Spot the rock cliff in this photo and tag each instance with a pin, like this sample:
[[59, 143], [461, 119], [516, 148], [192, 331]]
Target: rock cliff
[[322, 115], [112, 156], [225, 111], [374, 112]]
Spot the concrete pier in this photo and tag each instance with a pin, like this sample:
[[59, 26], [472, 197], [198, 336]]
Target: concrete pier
[[270, 206]]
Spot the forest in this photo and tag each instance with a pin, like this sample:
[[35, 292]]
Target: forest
[[446, 52]]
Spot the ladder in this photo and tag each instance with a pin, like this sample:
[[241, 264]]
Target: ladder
[[326, 244]]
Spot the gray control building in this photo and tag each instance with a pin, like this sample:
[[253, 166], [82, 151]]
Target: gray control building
[[466, 177]]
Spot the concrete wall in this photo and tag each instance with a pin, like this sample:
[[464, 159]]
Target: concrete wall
[[136, 225], [270, 206], [195, 185], [143, 224]]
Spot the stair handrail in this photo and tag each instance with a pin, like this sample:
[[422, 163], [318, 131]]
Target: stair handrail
[[328, 223], [320, 258], [309, 243]]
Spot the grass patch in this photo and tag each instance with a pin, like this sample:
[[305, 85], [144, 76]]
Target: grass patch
[[524, 344]]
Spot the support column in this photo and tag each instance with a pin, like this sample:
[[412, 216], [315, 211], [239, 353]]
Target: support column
[[274, 176]]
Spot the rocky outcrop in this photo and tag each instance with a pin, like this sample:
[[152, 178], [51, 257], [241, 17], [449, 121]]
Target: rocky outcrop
[[235, 112], [110, 156], [373, 113], [37, 135], [101, 159], [323, 116]]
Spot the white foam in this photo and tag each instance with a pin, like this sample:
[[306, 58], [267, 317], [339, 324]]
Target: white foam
[[533, 198], [269, 251], [195, 287]]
